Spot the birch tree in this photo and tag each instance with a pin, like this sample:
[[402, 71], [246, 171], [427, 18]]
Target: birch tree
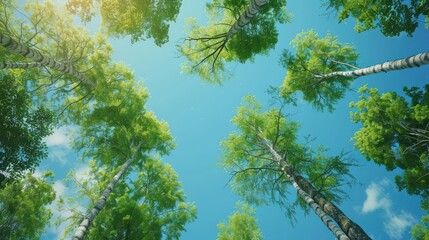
[[150, 204], [323, 68], [237, 31], [265, 159], [118, 131]]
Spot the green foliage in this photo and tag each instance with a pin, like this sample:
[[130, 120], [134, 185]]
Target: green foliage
[[148, 205], [395, 134], [258, 178], [22, 128], [241, 225], [207, 50], [421, 231], [23, 211], [118, 121], [391, 16], [315, 56], [139, 19]]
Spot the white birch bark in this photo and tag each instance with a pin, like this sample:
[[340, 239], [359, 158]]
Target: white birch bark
[[348, 229], [403, 63], [251, 10], [92, 214], [36, 56]]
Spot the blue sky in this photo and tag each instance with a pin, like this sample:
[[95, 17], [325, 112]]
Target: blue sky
[[199, 117]]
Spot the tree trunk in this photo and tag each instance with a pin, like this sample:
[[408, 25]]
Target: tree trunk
[[339, 234], [350, 228], [92, 214], [36, 56], [251, 10], [23, 65], [403, 63]]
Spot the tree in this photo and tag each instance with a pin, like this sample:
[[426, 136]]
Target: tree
[[395, 134], [150, 205], [391, 17], [118, 129], [23, 207], [243, 28], [139, 19], [323, 69], [59, 58], [23, 127], [241, 225], [264, 158]]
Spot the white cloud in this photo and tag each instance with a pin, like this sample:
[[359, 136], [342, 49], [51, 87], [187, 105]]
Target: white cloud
[[60, 137], [59, 188], [58, 155], [395, 224], [376, 197]]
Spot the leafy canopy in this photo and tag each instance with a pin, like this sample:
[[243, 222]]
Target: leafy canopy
[[23, 127], [392, 17], [241, 225], [395, 134], [139, 19], [313, 57], [207, 50], [23, 207], [258, 178]]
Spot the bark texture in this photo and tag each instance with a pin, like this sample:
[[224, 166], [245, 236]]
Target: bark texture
[[403, 63], [36, 56], [251, 10], [23, 65], [92, 214], [350, 228]]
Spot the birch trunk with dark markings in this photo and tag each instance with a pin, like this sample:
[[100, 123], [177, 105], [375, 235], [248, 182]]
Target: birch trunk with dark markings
[[403, 63], [92, 214], [352, 230], [38, 57]]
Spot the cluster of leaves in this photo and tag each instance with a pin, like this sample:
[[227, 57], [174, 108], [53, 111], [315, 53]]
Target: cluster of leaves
[[395, 134], [391, 16], [22, 128], [207, 48], [258, 178], [139, 19], [23, 211], [314, 57], [241, 225]]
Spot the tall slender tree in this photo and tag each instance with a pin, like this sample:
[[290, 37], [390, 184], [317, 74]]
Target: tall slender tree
[[237, 31], [323, 68], [117, 128], [264, 157], [149, 204]]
